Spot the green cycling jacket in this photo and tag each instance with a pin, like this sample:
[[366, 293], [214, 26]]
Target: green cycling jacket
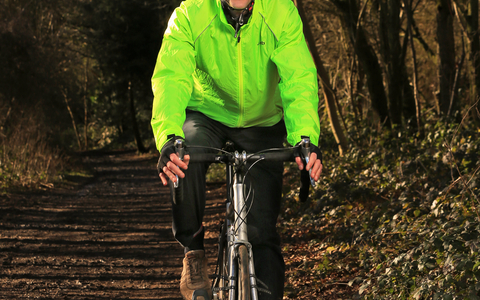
[[252, 78]]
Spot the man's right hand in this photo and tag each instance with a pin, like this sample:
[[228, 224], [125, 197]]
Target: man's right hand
[[169, 164], [174, 168]]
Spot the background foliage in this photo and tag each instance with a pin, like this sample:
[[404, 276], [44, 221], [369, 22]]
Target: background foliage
[[395, 217]]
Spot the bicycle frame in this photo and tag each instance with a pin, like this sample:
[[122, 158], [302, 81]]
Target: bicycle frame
[[237, 231]]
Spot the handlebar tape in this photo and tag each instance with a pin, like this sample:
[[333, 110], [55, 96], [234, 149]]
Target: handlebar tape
[[304, 185]]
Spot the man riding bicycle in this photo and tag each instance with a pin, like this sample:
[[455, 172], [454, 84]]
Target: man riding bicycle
[[236, 70]]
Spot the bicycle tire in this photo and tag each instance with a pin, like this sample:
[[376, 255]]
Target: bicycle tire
[[223, 274], [243, 274], [220, 284]]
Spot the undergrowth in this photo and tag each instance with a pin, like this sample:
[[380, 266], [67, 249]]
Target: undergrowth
[[27, 160], [397, 217]]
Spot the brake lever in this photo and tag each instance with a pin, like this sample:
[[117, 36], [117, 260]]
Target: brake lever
[[180, 150], [305, 148]]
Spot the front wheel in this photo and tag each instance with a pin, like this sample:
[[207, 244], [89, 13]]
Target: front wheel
[[243, 274], [220, 284]]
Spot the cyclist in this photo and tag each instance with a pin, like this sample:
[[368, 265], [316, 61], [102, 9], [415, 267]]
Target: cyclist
[[236, 70]]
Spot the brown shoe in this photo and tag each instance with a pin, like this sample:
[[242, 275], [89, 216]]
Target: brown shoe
[[195, 276]]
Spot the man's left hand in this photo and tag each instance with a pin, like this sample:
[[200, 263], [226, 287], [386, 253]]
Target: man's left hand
[[314, 164]]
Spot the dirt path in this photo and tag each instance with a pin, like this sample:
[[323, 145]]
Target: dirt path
[[111, 239]]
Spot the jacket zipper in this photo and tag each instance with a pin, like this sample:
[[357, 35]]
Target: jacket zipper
[[240, 81], [238, 25]]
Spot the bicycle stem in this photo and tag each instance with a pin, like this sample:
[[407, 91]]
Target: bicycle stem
[[239, 204]]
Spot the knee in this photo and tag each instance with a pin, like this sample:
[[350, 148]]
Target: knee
[[263, 237]]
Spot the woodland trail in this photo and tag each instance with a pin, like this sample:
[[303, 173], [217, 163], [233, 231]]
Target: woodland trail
[[109, 239]]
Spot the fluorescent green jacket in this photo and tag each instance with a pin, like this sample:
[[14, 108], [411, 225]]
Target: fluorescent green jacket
[[264, 74]]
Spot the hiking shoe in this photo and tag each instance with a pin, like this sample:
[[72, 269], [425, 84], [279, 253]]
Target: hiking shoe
[[195, 276]]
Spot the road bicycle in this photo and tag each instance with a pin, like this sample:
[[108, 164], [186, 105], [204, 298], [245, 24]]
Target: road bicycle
[[234, 278]]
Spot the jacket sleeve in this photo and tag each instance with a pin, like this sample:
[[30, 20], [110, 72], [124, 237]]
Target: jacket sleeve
[[298, 85], [172, 80]]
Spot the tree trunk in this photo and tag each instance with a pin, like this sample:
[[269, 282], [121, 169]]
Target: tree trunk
[[85, 106], [391, 50], [366, 57], [400, 94], [446, 54], [74, 124], [472, 28], [325, 82], [409, 99], [408, 9], [6, 117], [136, 132]]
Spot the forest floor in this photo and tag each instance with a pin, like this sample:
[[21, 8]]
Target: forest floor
[[108, 237]]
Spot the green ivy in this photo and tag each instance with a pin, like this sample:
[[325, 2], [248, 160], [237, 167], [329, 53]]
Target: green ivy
[[408, 209]]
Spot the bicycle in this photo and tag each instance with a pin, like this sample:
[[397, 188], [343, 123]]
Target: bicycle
[[234, 278]]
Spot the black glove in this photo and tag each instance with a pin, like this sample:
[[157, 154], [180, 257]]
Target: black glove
[[166, 151], [312, 147], [316, 150], [305, 180]]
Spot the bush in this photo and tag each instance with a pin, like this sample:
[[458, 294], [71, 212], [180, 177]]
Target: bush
[[26, 158]]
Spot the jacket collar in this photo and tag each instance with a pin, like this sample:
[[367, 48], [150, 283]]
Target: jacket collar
[[223, 18]]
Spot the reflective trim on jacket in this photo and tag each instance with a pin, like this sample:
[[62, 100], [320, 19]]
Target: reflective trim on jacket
[[264, 74]]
